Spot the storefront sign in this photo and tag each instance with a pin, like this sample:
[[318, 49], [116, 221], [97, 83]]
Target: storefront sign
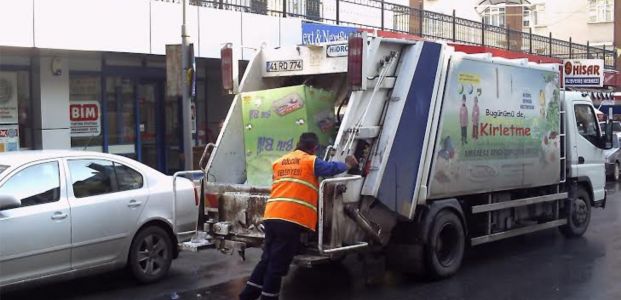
[[9, 138], [316, 33], [85, 118], [8, 98], [583, 72], [337, 50]]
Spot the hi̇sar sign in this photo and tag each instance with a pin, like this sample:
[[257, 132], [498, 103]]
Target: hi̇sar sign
[[85, 118], [583, 72]]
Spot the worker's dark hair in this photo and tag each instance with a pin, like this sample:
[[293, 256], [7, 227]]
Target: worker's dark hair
[[308, 142]]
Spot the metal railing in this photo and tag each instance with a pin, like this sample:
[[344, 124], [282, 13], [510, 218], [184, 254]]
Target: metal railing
[[376, 14]]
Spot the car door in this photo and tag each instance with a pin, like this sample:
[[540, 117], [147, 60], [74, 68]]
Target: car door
[[104, 210], [590, 156], [35, 238]]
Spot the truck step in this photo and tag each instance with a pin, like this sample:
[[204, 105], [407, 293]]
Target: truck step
[[515, 232], [310, 260], [196, 245]]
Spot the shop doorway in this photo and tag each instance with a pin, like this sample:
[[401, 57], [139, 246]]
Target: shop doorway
[[159, 145]]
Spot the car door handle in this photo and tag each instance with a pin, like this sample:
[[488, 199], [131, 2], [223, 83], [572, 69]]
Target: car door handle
[[134, 203], [59, 216]]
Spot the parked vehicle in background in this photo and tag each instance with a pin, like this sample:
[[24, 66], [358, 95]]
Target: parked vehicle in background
[[68, 213], [613, 159], [616, 127]]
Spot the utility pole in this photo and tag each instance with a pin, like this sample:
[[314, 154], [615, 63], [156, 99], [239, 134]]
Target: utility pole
[[185, 99]]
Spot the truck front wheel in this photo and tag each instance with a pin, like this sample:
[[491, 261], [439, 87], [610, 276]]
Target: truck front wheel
[[444, 251], [579, 215]]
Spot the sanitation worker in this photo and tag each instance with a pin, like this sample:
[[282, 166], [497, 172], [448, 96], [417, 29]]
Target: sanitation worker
[[290, 210]]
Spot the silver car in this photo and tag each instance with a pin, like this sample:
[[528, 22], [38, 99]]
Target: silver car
[[69, 213], [613, 159]]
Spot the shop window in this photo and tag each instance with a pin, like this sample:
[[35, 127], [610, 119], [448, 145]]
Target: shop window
[[15, 110], [601, 11], [120, 99], [85, 112]]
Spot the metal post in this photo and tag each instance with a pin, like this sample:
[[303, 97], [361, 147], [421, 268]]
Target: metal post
[[382, 14], [421, 15], [530, 40], [604, 55], [483, 32], [550, 45], [284, 8], [185, 99], [220, 4], [588, 50], [454, 27], [338, 10], [570, 46], [508, 36]]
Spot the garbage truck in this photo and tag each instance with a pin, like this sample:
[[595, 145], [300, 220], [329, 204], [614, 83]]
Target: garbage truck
[[455, 150]]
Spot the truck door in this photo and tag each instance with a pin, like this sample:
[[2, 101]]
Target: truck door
[[590, 162]]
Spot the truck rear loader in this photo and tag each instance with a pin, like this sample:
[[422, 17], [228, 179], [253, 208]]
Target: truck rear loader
[[455, 150]]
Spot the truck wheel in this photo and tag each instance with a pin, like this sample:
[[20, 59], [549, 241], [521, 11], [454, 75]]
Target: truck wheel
[[579, 215], [150, 254], [445, 250]]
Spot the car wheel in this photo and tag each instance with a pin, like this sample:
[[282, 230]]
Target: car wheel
[[579, 215], [150, 254], [445, 250]]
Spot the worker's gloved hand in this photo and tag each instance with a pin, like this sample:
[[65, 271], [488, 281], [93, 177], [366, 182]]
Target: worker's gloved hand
[[351, 161]]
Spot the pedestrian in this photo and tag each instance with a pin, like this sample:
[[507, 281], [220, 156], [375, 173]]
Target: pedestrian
[[475, 119], [463, 120], [290, 210]]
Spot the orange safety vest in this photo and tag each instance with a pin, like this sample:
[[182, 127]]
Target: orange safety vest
[[295, 190]]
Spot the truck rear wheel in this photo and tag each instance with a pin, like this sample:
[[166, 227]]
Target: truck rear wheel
[[445, 250], [579, 215]]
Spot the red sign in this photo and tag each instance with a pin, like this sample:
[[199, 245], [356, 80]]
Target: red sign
[[85, 118], [83, 112]]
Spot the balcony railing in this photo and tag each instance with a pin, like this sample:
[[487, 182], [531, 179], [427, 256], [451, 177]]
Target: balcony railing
[[404, 19]]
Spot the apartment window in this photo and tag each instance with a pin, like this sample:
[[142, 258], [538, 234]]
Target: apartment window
[[494, 16], [537, 14], [600, 10], [526, 17]]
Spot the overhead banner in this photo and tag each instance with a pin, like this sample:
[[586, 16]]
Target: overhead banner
[[8, 98], [583, 72], [9, 138], [317, 33], [85, 118]]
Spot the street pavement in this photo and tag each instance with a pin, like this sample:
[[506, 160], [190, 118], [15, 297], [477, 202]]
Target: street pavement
[[542, 265]]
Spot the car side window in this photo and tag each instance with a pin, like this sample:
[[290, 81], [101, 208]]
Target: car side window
[[128, 178], [586, 122], [91, 177], [33, 185]]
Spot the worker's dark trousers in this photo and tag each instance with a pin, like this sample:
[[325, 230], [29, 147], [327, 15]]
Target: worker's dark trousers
[[282, 240]]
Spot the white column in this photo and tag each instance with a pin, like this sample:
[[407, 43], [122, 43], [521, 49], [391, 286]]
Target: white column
[[50, 92]]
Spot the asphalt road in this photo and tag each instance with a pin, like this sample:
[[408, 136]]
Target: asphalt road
[[542, 265]]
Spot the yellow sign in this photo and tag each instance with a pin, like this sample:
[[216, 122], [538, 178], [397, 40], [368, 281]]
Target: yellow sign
[[469, 78]]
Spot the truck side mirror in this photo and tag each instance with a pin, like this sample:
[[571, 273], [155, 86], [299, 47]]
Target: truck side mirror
[[608, 135]]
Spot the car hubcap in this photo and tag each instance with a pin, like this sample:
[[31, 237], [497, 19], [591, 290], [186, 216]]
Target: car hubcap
[[152, 254], [446, 244], [580, 212]]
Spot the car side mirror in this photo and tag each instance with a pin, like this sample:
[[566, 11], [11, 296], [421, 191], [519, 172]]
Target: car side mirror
[[9, 201], [608, 135]]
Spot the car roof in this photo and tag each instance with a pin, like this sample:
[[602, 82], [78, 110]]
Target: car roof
[[21, 157]]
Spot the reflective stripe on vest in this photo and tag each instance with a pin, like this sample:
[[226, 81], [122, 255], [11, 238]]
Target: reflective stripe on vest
[[294, 190]]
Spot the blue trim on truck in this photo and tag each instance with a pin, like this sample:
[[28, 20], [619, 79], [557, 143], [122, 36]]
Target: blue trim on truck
[[398, 182]]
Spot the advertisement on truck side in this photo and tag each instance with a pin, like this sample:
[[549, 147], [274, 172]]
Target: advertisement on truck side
[[499, 129]]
